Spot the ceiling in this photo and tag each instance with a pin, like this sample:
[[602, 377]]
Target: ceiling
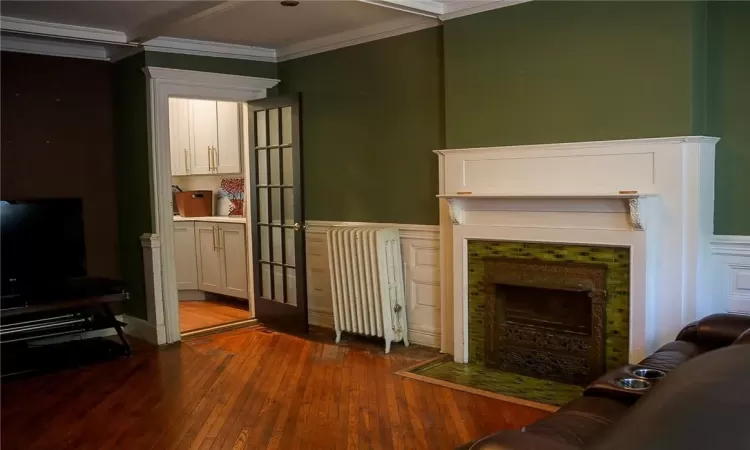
[[268, 24], [263, 25]]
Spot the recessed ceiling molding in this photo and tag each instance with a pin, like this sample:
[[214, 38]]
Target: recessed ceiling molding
[[162, 25], [207, 48], [60, 30], [193, 77], [455, 9], [354, 37], [428, 8], [49, 47]]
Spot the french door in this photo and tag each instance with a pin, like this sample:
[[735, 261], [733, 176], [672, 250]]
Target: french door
[[277, 215]]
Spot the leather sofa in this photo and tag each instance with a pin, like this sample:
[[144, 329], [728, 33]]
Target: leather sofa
[[598, 418]]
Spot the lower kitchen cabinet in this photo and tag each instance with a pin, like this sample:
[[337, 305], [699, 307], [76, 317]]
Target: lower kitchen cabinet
[[233, 255], [185, 256], [221, 257]]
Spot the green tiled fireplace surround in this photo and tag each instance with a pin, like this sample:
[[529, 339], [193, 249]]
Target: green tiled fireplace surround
[[617, 260]]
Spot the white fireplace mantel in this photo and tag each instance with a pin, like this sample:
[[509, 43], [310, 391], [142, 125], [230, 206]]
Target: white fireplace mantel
[[458, 202], [654, 196]]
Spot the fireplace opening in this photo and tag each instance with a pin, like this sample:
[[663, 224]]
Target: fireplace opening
[[545, 319], [556, 309]]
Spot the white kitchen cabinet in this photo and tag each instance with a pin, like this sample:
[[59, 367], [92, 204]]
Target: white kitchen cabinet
[[208, 258], [233, 251], [203, 134], [185, 255], [205, 137], [179, 136], [227, 150], [221, 258]]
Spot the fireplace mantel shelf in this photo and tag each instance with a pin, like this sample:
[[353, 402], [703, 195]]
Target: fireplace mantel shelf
[[455, 207]]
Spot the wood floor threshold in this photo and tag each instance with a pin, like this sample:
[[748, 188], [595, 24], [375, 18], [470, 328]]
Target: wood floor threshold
[[406, 372], [245, 323]]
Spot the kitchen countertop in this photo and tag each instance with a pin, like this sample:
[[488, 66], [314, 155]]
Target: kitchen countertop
[[226, 219]]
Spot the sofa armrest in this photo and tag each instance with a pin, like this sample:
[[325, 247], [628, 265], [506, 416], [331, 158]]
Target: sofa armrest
[[716, 330], [516, 440]]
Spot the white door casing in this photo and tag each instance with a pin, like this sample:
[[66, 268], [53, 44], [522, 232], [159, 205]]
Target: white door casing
[[163, 84]]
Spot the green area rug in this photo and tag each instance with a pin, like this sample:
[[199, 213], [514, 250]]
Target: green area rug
[[504, 383]]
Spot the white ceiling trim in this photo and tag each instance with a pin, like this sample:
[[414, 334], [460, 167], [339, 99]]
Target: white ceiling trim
[[60, 30], [454, 10], [354, 37], [427, 8], [207, 48], [20, 44]]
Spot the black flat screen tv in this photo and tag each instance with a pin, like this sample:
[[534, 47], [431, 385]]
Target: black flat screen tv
[[41, 242]]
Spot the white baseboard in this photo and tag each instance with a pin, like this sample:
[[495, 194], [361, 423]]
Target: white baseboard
[[420, 251], [139, 328], [731, 264], [190, 295], [426, 338], [320, 318]]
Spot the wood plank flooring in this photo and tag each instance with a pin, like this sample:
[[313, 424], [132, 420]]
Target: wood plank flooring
[[207, 313], [249, 389]]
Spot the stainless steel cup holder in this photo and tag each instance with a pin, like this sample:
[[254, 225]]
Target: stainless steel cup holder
[[633, 384], [648, 373]]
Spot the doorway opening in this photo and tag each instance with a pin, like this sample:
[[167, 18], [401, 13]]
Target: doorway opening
[[208, 154]]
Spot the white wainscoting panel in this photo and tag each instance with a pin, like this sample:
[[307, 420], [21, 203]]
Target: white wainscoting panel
[[420, 247], [731, 265]]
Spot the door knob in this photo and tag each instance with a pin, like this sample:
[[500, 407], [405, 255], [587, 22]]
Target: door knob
[[296, 226]]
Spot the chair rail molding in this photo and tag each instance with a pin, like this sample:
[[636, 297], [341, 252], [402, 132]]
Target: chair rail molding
[[162, 84], [731, 273], [420, 251]]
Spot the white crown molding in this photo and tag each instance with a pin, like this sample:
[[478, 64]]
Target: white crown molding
[[354, 37], [20, 44], [60, 30], [456, 9], [194, 77], [207, 48]]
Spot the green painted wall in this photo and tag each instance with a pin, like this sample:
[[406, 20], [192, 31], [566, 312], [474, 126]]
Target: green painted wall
[[131, 166], [371, 116], [131, 151], [546, 72], [208, 64], [729, 112]]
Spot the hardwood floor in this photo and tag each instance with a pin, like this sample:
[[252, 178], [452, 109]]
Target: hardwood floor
[[249, 389], [207, 313]]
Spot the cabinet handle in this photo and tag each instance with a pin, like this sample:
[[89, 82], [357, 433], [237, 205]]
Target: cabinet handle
[[216, 159], [210, 160], [213, 235], [218, 234], [187, 169]]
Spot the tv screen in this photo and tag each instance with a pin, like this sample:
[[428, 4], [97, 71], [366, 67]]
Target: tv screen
[[40, 241]]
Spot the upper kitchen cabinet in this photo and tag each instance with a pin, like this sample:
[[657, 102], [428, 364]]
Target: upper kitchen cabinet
[[205, 137], [203, 121], [227, 154], [179, 136]]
